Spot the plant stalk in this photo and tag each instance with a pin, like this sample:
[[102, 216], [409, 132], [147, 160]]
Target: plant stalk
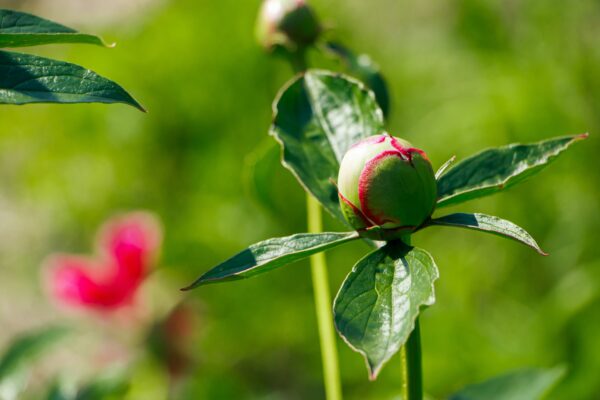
[[412, 368], [412, 375], [320, 280], [297, 60]]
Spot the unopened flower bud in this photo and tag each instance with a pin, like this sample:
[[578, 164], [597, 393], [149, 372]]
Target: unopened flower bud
[[387, 188], [288, 23]]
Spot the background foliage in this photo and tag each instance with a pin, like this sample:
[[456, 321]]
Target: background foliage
[[464, 75]]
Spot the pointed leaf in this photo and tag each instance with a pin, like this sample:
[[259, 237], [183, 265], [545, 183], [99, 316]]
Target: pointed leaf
[[272, 253], [490, 224], [318, 116], [27, 347], [104, 387], [26, 78], [499, 168], [19, 29], [58, 392], [524, 384], [378, 303]]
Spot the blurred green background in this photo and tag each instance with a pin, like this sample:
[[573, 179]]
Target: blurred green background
[[463, 75]]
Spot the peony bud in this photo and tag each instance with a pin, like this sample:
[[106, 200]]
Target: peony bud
[[386, 183], [288, 23]]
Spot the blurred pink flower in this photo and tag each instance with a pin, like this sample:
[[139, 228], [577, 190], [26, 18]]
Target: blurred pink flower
[[127, 248]]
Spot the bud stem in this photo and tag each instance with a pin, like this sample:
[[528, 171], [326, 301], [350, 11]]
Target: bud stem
[[297, 59], [412, 376], [331, 373], [410, 354]]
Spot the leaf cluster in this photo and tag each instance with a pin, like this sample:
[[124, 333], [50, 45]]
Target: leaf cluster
[[27, 78], [318, 116]]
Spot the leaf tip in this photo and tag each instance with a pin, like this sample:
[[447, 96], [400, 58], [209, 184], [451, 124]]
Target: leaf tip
[[192, 286], [582, 136], [140, 107], [373, 371], [203, 280]]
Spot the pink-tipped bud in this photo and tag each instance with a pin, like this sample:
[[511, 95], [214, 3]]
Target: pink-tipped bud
[[384, 182]]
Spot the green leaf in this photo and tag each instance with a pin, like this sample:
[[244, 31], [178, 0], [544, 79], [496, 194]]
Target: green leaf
[[56, 392], [26, 348], [376, 308], [61, 389], [19, 29], [524, 384], [114, 384], [499, 168], [318, 116], [26, 78], [272, 253], [490, 224], [365, 69], [104, 388]]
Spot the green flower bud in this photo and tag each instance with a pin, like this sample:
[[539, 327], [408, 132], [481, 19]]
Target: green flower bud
[[288, 23], [387, 188]]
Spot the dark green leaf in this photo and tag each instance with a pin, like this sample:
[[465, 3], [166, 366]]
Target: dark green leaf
[[26, 348], [112, 385], [496, 169], [318, 116], [104, 388], [376, 308], [490, 224], [272, 253], [27, 78], [365, 69], [19, 29], [524, 384], [57, 392]]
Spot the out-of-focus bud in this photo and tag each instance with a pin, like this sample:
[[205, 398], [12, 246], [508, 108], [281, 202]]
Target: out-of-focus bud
[[288, 23], [387, 188]]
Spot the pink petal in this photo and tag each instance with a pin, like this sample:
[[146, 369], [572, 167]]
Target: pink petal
[[79, 282], [128, 246], [132, 241]]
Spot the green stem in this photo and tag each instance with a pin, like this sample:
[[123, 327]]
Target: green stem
[[298, 60], [412, 369], [412, 387], [320, 281]]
